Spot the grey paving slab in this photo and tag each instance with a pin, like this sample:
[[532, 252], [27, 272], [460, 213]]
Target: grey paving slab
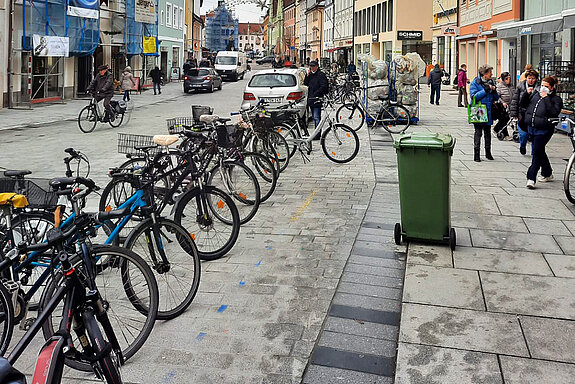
[[435, 255], [547, 227], [567, 244], [370, 290], [514, 241], [317, 374], [462, 329], [518, 370], [549, 339], [497, 260], [529, 295], [375, 303], [382, 281], [561, 265], [490, 222], [463, 202], [448, 287], [463, 237], [534, 207], [434, 365]]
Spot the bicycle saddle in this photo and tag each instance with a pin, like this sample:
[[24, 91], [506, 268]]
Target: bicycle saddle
[[17, 173], [209, 118], [165, 140], [144, 147]]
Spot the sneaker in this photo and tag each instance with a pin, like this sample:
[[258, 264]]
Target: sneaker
[[530, 184], [522, 150], [437, 103], [545, 179]]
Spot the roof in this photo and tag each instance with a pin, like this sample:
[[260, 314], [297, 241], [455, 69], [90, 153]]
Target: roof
[[254, 29]]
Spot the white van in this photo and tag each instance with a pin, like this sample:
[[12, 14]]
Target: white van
[[231, 65]]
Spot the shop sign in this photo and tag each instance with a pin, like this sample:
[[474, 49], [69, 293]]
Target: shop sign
[[89, 9], [409, 35], [51, 46], [145, 11], [375, 37], [149, 44], [525, 30], [450, 30]]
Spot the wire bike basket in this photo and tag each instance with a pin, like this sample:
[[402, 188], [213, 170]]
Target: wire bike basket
[[127, 143], [37, 191]]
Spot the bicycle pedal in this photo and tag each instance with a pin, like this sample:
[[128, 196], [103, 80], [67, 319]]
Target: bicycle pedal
[[27, 324]]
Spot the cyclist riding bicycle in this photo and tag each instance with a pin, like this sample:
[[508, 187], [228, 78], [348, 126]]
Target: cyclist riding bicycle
[[102, 88]]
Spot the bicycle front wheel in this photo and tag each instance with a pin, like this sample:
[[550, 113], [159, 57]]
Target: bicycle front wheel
[[117, 121], [395, 119], [351, 115], [265, 172], [87, 119], [569, 179], [129, 290], [7, 321], [340, 143], [179, 276]]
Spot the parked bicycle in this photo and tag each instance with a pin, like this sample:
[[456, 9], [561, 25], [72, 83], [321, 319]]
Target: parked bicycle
[[94, 112], [569, 174]]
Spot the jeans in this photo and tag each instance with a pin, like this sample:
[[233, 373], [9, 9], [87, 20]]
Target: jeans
[[316, 114], [540, 159], [435, 92], [462, 94], [482, 129], [127, 95], [158, 86], [523, 138]]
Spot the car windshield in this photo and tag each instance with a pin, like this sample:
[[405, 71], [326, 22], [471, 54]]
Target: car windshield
[[226, 60], [198, 72], [273, 80]]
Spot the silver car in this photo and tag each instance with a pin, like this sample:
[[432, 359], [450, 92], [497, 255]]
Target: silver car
[[277, 87]]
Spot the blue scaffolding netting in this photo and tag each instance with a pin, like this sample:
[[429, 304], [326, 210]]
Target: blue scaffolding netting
[[50, 18], [135, 31], [221, 28]]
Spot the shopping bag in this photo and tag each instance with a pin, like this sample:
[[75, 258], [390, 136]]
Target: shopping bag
[[477, 113]]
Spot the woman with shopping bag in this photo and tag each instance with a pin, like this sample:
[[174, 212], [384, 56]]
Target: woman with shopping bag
[[482, 91]]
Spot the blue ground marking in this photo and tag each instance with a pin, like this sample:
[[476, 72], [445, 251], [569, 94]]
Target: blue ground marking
[[258, 263], [169, 377], [242, 283], [222, 308], [200, 336]]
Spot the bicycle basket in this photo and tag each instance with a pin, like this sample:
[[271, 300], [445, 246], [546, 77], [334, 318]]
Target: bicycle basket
[[199, 110], [229, 136], [279, 117], [179, 124], [262, 123], [37, 191], [127, 142]]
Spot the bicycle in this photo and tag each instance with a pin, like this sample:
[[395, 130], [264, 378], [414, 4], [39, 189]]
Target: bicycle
[[91, 114], [391, 115], [569, 173]]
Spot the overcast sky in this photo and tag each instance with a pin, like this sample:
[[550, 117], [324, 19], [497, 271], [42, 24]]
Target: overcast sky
[[244, 12]]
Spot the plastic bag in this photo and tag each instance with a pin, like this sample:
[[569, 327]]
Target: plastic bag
[[406, 78], [381, 89], [417, 63], [369, 59], [407, 94], [380, 70]]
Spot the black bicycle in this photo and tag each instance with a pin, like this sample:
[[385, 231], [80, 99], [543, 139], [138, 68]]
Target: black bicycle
[[93, 113]]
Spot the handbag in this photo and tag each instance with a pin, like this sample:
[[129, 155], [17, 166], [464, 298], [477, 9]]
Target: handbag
[[477, 113]]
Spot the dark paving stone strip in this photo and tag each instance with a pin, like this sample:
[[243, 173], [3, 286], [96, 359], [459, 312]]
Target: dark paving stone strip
[[369, 224], [361, 362], [363, 314]]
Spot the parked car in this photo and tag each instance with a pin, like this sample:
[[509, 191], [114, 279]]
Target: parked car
[[231, 65], [202, 79], [276, 87], [265, 60]]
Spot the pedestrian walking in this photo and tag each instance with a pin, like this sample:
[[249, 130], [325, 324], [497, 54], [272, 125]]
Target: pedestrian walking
[[157, 77], [505, 91], [516, 111], [102, 88], [128, 82], [434, 80], [483, 89], [541, 106], [462, 86], [187, 66], [318, 86]]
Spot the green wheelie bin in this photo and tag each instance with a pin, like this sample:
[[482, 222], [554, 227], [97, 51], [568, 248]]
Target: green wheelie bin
[[424, 167]]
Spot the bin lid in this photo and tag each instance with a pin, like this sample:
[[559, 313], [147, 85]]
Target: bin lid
[[427, 140]]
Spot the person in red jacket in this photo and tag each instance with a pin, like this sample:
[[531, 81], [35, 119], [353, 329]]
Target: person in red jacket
[[462, 85]]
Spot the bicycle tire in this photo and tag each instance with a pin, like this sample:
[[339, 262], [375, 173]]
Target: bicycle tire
[[183, 238], [567, 177], [397, 119], [264, 168], [349, 137], [228, 223], [114, 258], [245, 190], [89, 110], [289, 134], [109, 369], [351, 115], [117, 121], [7, 321], [275, 147]]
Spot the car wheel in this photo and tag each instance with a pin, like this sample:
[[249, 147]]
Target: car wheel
[[221, 83], [212, 88]]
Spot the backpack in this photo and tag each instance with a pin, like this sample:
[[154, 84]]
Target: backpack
[[455, 78]]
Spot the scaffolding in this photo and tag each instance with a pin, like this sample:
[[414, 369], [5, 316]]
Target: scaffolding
[[135, 31], [221, 30]]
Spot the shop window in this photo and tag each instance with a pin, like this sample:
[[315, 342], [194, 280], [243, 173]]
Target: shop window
[[390, 15], [383, 17]]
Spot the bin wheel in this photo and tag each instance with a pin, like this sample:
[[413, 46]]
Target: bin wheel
[[452, 239], [397, 233]]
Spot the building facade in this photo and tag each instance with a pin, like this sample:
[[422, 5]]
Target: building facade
[[289, 48], [250, 38], [444, 31], [301, 26], [193, 29], [276, 27], [221, 30], [314, 32], [328, 24], [343, 31], [387, 28], [171, 37]]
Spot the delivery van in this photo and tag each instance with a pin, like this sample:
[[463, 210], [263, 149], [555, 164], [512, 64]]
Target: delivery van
[[231, 65]]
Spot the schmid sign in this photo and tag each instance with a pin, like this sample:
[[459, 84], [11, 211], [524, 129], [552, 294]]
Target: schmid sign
[[409, 35]]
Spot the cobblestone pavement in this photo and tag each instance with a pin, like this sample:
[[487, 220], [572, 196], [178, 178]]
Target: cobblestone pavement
[[259, 310]]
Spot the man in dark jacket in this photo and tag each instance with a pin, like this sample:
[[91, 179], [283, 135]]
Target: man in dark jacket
[[518, 112], [434, 80], [102, 87], [187, 66], [318, 86], [156, 76]]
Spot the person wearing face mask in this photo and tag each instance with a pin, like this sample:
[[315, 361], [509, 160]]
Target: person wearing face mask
[[318, 86], [540, 106], [518, 112], [482, 88]]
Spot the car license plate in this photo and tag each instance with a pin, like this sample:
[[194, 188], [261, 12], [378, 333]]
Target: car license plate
[[197, 85], [274, 99]]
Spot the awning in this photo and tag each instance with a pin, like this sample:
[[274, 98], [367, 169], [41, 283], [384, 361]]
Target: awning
[[468, 36], [569, 22], [507, 33], [333, 49], [524, 28]]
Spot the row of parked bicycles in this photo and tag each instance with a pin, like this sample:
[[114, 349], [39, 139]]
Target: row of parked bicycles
[[93, 284]]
